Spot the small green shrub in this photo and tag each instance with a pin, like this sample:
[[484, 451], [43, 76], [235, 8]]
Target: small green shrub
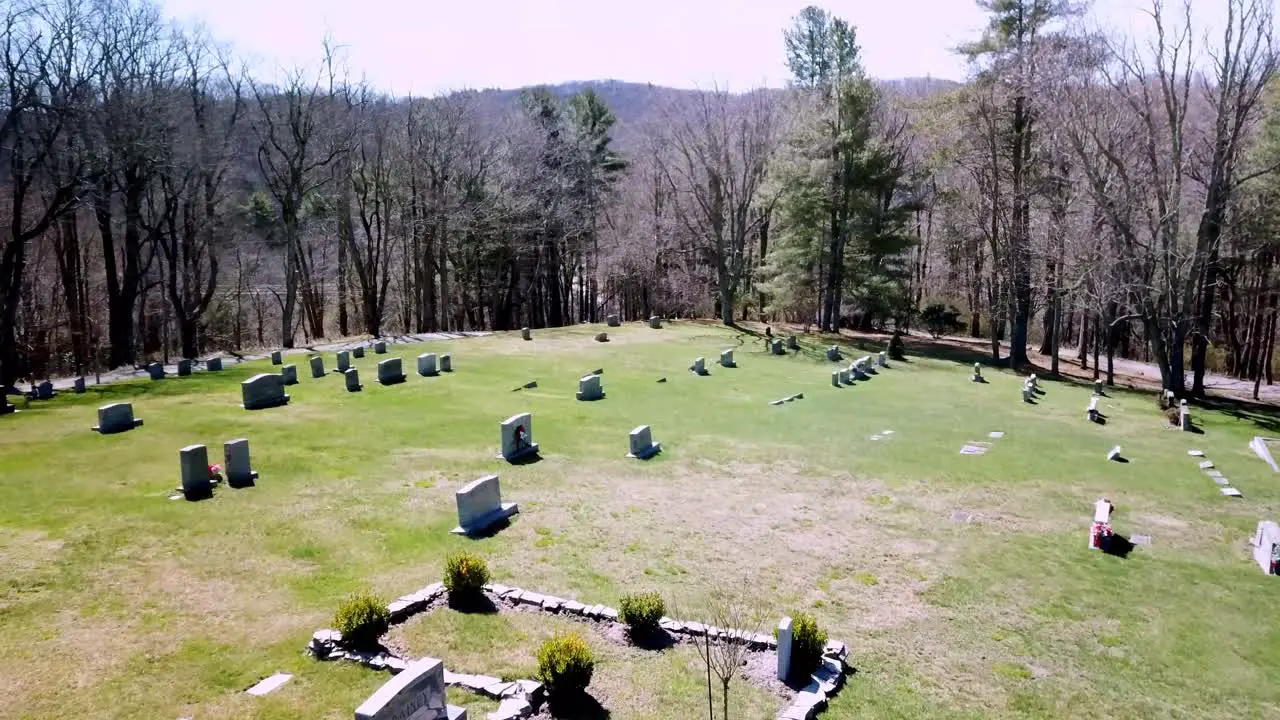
[[565, 665], [641, 612], [807, 643], [465, 575], [362, 618]]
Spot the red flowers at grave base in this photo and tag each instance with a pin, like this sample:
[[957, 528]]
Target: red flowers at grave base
[[215, 473], [1100, 532]]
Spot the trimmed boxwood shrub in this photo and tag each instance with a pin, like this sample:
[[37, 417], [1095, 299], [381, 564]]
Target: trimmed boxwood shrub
[[362, 618], [641, 612], [807, 644], [565, 665], [465, 575]]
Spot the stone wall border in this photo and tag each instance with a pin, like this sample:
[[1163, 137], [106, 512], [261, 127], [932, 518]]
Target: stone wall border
[[523, 698]]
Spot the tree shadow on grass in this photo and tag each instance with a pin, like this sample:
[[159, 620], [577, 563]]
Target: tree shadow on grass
[[1264, 416], [580, 706]]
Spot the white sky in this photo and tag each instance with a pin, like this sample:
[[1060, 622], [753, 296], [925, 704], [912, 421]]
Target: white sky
[[428, 46]]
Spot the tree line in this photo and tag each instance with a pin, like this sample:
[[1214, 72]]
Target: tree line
[[1081, 189]]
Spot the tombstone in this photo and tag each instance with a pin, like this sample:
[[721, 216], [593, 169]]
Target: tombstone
[[1028, 393], [1258, 445], [446, 363], [195, 471], [352, 377], [415, 693], [1184, 417], [262, 391], [1266, 547], [1097, 388], [276, 358], [213, 364], [977, 373], [390, 371], [289, 375], [235, 463], [589, 388], [655, 322], [156, 371], [699, 366], [427, 365], [1114, 453], [837, 378], [526, 334], [1092, 410], [784, 649], [184, 368], [775, 347], [833, 353], [480, 506], [116, 417], [1101, 528], [642, 445], [726, 359], [883, 359], [1035, 384], [612, 321], [602, 337], [344, 362], [845, 377], [317, 366], [358, 352], [380, 348], [6, 407], [859, 369], [44, 391], [78, 387], [792, 343], [517, 437]]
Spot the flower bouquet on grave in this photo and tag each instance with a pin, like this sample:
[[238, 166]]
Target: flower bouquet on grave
[[1100, 532], [215, 474], [1275, 560]]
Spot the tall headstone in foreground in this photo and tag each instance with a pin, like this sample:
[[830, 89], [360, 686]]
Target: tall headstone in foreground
[[213, 364], [390, 371], [317, 366], [699, 366], [845, 377], [277, 358], [517, 437], [883, 359], [344, 361], [1101, 528], [427, 365], [289, 375], [792, 343], [380, 348], [726, 359], [156, 371], [613, 321], [1266, 547], [837, 377], [977, 373], [1184, 417], [416, 693], [526, 333], [235, 461], [78, 387], [642, 444], [184, 368], [1028, 392], [1097, 388], [784, 649], [262, 391], [358, 352], [352, 377], [775, 346], [655, 322], [44, 391], [195, 472], [446, 363], [116, 417], [589, 388], [480, 506]]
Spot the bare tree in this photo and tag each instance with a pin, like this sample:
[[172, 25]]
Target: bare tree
[[737, 611]]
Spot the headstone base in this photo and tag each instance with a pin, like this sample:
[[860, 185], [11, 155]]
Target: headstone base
[[529, 450], [488, 521], [647, 453], [268, 405], [137, 422]]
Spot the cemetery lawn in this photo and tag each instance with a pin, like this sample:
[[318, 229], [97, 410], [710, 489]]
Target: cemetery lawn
[[961, 583]]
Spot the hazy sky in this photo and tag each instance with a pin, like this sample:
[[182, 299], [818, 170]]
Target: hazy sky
[[426, 46]]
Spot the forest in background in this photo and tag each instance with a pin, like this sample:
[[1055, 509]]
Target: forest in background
[[1081, 189]]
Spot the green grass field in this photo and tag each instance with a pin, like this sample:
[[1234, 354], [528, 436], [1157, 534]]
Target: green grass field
[[119, 603]]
